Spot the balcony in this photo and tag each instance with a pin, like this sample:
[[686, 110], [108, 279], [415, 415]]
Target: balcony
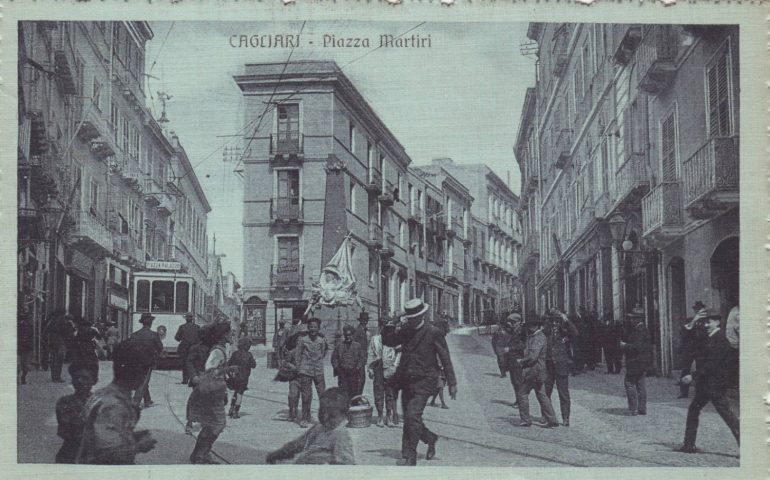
[[287, 148], [453, 272], [662, 211], [710, 178], [656, 58], [437, 226], [287, 276], [388, 197], [134, 178], [562, 147], [286, 210], [375, 236], [127, 248], [559, 52], [388, 246], [91, 233], [374, 182], [415, 215], [631, 180], [64, 62], [630, 36], [153, 192]]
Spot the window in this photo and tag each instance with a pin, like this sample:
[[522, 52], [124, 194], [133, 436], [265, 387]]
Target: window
[[142, 302], [288, 186], [288, 122], [288, 252], [352, 196], [352, 137], [401, 234], [97, 94], [668, 147], [94, 197], [182, 297], [126, 126], [718, 95], [369, 154], [372, 269]]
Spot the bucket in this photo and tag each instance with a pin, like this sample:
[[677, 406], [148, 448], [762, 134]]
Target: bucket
[[360, 412]]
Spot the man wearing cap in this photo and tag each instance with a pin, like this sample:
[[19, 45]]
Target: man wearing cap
[[149, 345], [711, 380], [513, 351], [187, 335], [308, 355], [279, 340], [638, 352], [500, 339], [534, 373], [362, 336], [560, 332], [348, 361], [417, 374]]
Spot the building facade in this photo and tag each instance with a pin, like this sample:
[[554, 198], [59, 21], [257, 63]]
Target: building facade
[[321, 166], [628, 148], [97, 195]]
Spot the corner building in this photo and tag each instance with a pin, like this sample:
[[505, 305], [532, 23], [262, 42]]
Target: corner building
[[629, 152]]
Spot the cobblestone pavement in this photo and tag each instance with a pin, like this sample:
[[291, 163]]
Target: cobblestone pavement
[[477, 430]]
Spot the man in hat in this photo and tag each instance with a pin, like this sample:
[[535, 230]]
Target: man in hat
[[361, 336], [57, 334], [514, 351], [382, 363], [560, 332], [692, 336], [500, 339], [417, 374], [188, 334], [148, 343], [348, 361], [711, 380], [534, 373], [638, 352], [279, 340]]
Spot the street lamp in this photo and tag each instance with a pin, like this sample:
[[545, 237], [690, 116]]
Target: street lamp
[[617, 226]]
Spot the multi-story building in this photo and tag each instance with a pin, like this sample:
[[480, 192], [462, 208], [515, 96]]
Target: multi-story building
[[96, 199], [321, 166], [628, 148]]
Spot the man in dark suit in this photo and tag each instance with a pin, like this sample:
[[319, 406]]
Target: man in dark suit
[[534, 373], [513, 351], [611, 336], [187, 335], [148, 343], [638, 360], [417, 375], [361, 336], [560, 332], [711, 380]]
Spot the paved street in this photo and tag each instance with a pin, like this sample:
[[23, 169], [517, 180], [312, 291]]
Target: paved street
[[477, 430]]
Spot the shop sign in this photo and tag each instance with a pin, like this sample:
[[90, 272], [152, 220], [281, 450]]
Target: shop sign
[[155, 265], [118, 301]]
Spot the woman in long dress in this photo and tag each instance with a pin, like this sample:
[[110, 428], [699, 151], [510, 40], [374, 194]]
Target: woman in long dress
[[209, 409]]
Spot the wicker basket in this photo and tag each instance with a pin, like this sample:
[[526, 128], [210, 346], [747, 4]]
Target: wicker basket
[[360, 414]]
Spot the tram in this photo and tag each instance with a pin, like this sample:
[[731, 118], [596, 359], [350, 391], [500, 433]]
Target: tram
[[169, 296]]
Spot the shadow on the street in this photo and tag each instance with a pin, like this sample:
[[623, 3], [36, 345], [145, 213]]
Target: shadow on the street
[[490, 374], [620, 411], [503, 402], [672, 446], [386, 452]]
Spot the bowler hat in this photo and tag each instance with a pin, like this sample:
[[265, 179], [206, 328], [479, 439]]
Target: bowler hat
[[146, 318], [189, 315], [415, 307], [698, 305]]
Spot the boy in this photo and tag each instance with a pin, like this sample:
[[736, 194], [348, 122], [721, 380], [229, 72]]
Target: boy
[[70, 410], [328, 442], [309, 357], [239, 383]]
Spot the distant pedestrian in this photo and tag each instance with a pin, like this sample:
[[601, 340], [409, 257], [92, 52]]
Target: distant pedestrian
[[382, 363], [288, 349], [24, 347], [500, 340], [149, 343], [195, 365], [109, 437], [348, 361], [309, 355], [560, 332], [638, 351], [711, 381], [70, 410], [209, 396], [611, 335], [417, 375], [84, 344], [327, 443], [188, 334], [514, 351], [534, 374], [279, 340], [57, 334], [443, 326], [362, 336], [244, 360]]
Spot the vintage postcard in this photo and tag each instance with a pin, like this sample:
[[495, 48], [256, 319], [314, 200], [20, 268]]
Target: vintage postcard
[[508, 240]]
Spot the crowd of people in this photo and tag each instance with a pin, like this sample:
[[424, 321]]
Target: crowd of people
[[543, 352]]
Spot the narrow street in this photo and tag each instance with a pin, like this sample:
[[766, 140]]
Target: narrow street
[[477, 430]]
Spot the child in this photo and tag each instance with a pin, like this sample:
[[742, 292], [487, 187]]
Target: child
[[328, 442], [70, 410], [244, 360]]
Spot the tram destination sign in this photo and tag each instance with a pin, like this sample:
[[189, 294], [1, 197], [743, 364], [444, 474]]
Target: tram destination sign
[[155, 265]]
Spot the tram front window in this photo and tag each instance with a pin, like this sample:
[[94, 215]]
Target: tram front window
[[162, 296], [143, 296], [182, 297]]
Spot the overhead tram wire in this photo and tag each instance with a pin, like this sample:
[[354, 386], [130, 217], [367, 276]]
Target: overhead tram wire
[[161, 47]]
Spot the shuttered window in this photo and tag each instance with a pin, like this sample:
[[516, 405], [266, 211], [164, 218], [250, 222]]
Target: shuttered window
[[718, 94], [668, 147]]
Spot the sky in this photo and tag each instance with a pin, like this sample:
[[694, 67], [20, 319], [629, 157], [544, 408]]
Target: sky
[[460, 98]]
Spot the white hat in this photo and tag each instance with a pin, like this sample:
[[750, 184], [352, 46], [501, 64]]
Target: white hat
[[415, 307]]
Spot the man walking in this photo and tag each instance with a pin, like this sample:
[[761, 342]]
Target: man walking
[[58, 333], [148, 343], [514, 351], [560, 333], [187, 335], [638, 360], [348, 360], [611, 337], [711, 380], [417, 375], [500, 339], [692, 339], [309, 356], [382, 363], [534, 373]]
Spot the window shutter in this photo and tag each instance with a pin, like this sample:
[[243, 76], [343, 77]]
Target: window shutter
[[668, 147]]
